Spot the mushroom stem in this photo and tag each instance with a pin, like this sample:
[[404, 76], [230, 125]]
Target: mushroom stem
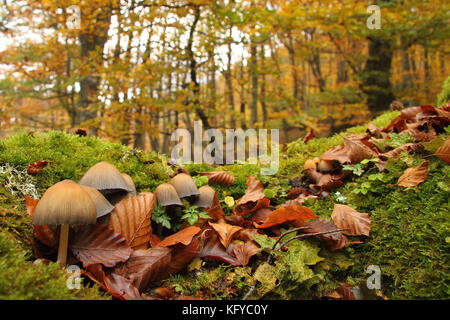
[[63, 241]]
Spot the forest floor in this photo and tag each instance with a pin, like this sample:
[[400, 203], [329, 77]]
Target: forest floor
[[391, 176]]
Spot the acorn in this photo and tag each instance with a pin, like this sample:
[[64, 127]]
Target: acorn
[[63, 204], [185, 186]]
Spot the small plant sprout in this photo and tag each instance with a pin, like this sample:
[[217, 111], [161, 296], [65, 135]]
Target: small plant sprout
[[192, 214]]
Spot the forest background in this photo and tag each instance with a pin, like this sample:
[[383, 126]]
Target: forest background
[[133, 71]]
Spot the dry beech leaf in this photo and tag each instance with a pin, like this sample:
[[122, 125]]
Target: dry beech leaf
[[358, 148], [338, 153], [95, 273], [131, 219], [219, 177], [182, 255], [410, 147], [35, 168], [146, 266], [310, 135], [44, 234], [414, 176], [443, 152], [334, 241], [251, 207], [288, 214], [98, 244], [243, 252], [213, 249], [183, 236], [254, 192], [215, 211], [356, 222], [225, 231], [261, 215], [121, 288], [345, 292], [165, 293]]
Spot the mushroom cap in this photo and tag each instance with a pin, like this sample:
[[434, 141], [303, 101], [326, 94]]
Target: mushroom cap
[[167, 195], [130, 183], [105, 177], [184, 185], [206, 198], [103, 207], [65, 203]]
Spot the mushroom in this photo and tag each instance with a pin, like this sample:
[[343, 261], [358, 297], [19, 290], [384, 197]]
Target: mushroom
[[102, 205], [325, 165], [105, 178], [62, 204], [130, 183], [206, 197], [166, 195], [185, 186]]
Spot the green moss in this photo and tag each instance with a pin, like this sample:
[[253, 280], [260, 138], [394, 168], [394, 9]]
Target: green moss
[[444, 96], [22, 280]]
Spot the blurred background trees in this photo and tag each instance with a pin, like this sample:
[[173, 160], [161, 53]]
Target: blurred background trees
[[132, 71]]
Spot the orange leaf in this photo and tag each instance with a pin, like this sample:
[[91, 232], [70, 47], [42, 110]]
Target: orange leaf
[[414, 176], [346, 217], [218, 177], [183, 236], [286, 214], [243, 252], [131, 219], [44, 234], [254, 192], [121, 288], [443, 152], [225, 231], [335, 241]]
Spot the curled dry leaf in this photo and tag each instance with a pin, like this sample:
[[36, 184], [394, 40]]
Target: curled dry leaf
[[213, 249], [131, 219], [182, 255], [251, 207], [310, 135], [183, 236], [225, 231], [95, 273], [359, 148], [443, 152], [44, 234], [146, 266], [335, 241], [98, 244], [338, 153], [288, 214], [410, 147], [414, 176], [243, 252], [219, 177], [121, 288], [254, 192], [345, 292], [35, 168], [355, 222]]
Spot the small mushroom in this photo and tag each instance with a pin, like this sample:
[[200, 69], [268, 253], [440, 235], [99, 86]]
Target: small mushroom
[[311, 164], [185, 186], [206, 197], [102, 205], [166, 195], [105, 178], [130, 183], [62, 204], [325, 165]]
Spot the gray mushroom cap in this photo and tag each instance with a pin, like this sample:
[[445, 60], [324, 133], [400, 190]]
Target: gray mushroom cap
[[166, 195], [130, 183], [184, 185], [65, 203], [106, 178], [103, 207], [206, 198]]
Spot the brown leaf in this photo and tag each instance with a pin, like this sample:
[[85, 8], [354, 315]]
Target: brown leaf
[[414, 176], [95, 273], [251, 207], [44, 234], [358, 148], [218, 177], [182, 255], [213, 249], [165, 293], [261, 215], [335, 241], [345, 292], [131, 219], [225, 231], [443, 152], [122, 288], [254, 192], [243, 252], [338, 153], [146, 266], [98, 244], [346, 217], [287, 214], [35, 168], [410, 147], [310, 135], [183, 236]]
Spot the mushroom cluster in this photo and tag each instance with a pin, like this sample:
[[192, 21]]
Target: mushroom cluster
[[91, 200]]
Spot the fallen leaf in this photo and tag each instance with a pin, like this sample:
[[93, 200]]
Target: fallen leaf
[[218, 177], [98, 244], [345, 292], [443, 152], [410, 147], [261, 215], [121, 288], [225, 231], [348, 218], [131, 219], [182, 255], [287, 214], [254, 192], [95, 273], [251, 207], [335, 241], [43, 233], [243, 252], [146, 266], [358, 148], [183, 236], [310, 135], [165, 293], [414, 176], [35, 168], [213, 249], [338, 153]]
